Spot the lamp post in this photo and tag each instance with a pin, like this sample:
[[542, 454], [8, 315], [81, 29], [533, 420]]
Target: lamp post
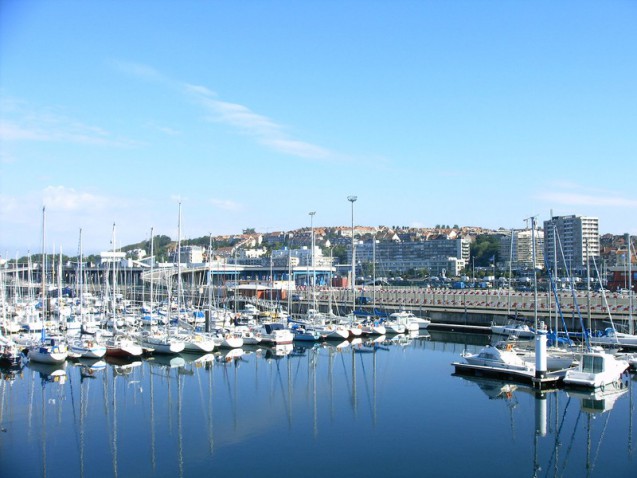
[[353, 199]]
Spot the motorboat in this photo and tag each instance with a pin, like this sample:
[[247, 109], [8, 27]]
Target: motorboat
[[521, 331], [596, 369], [501, 358], [275, 333], [249, 336], [409, 320]]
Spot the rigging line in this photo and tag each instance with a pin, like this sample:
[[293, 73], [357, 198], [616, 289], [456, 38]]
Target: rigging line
[[73, 408], [286, 404], [557, 300], [570, 445], [349, 390], [601, 438], [557, 435], [604, 298], [369, 399], [575, 304]]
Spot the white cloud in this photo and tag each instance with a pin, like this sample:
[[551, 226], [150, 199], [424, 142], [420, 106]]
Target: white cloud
[[264, 130], [68, 199], [578, 199], [24, 123], [226, 204]]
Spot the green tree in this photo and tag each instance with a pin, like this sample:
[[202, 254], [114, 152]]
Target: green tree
[[485, 248]]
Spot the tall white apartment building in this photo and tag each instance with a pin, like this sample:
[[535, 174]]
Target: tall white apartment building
[[570, 242]]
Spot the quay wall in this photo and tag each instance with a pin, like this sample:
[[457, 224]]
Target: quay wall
[[477, 307]]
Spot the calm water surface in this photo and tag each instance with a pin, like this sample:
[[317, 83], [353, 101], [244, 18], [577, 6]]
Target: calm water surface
[[395, 409]]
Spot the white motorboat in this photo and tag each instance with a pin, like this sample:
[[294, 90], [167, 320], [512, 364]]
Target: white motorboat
[[249, 336], [596, 369], [501, 358], [409, 320], [276, 333], [521, 331]]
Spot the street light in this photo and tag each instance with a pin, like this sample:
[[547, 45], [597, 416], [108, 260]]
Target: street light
[[353, 199]]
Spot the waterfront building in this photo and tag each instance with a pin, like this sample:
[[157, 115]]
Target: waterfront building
[[569, 242], [516, 250], [189, 255], [436, 255]]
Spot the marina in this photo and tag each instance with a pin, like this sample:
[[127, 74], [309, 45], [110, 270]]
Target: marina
[[306, 408]]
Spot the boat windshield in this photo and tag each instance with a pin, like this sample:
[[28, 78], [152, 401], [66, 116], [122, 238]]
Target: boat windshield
[[592, 364]]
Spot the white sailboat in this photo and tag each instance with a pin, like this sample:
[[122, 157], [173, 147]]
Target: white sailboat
[[611, 336], [48, 350]]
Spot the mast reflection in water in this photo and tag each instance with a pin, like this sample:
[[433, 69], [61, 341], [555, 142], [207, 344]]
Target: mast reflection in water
[[392, 407]]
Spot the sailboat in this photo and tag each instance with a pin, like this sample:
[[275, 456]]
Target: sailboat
[[611, 336], [195, 342], [86, 345], [48, 350]]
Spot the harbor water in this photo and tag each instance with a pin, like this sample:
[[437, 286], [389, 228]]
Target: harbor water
[[393, 407]]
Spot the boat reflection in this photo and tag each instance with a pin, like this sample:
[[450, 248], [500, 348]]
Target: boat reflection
[[9, 374], [49, 373], [123, 365], [90, 367], [166, 361], [493, 389], [600, 401], [226, 356]]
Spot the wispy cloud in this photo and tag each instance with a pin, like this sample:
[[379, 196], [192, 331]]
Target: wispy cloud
[[68, 199], [568, 193], [22, 122], [264, 130], [226, 204], [139, 70], [579, 199]]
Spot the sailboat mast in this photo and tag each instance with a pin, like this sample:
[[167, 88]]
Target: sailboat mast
[[631, 325], [152, 260], [178, 268], [81, 281], [114, 280], [44, 308], [533, 246]]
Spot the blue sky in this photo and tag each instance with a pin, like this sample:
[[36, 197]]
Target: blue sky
[[254, 113]]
